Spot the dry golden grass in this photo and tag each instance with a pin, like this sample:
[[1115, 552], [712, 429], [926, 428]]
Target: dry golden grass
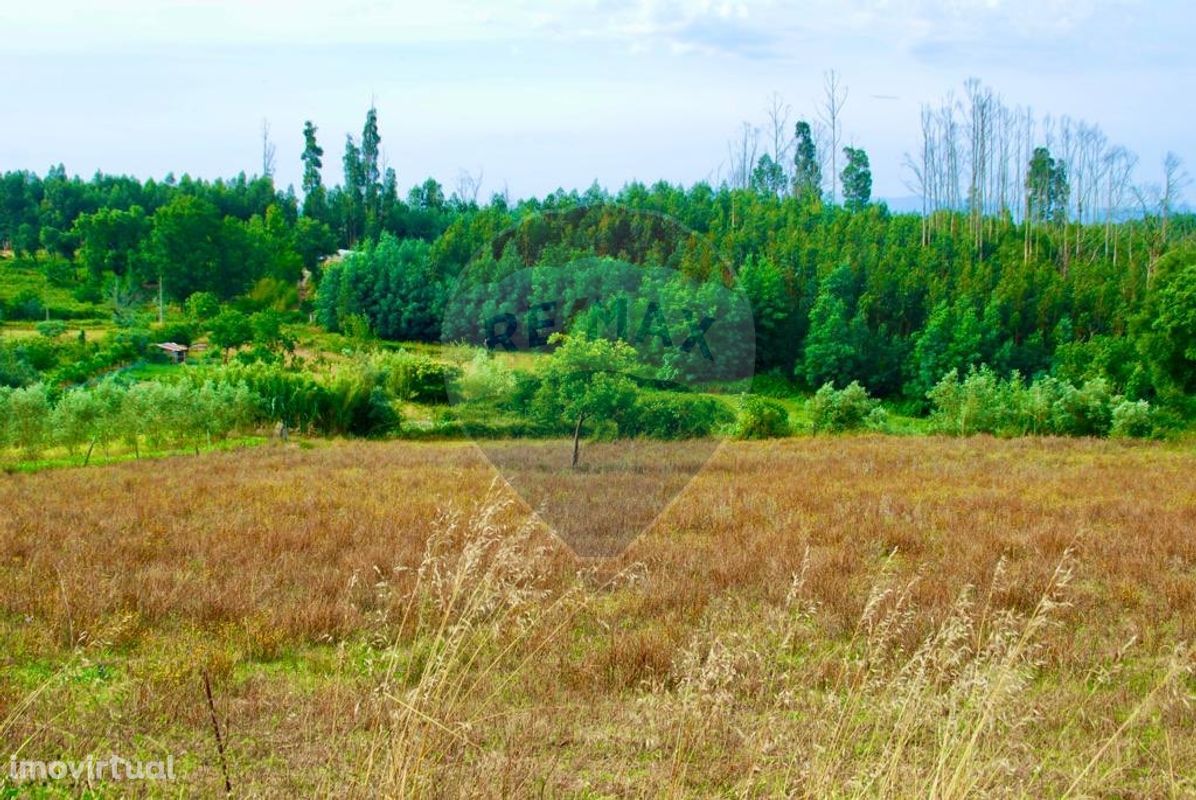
[[814, 617]]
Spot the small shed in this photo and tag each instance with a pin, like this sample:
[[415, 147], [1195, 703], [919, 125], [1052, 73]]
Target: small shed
[[178, 352]]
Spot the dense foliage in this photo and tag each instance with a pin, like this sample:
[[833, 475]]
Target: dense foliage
[[1029, 300]]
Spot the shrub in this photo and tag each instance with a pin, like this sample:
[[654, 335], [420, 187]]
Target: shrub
[[293, 399], [1132, 418], [27, 304], [983, 403], [484, 378], [849, 409], [5, 415], [51, 329], [273, 294], [670, 415], [60, 272], [980, 403], [15, 369], [358, 407], [524, 391], [1038, 409], [415, 378], [759, 418], [127, 344], [202, 306], [1086, 411]]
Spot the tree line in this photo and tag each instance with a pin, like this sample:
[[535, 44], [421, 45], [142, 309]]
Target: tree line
[[1035, 252]]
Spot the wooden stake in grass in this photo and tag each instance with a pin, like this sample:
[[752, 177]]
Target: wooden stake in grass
[[207, 690]]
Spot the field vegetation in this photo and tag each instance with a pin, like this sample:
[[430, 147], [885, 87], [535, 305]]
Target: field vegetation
[[862, 616]]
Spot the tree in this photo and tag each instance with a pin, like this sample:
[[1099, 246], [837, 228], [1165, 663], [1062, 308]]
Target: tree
[[184, 250], [1046, 188], [77, 418], [354, 191], [586, 379], [1175, 180], [230, 330], [268, 151], [778, 118], [829, 355], [110, 239], [834, 98], [772, 311], [312, 240], [742, 156], [371, 175], [951, 340], [807, 170], [202, 306], [28, 420], [1167, 324], [314, 202], [392, 284], [269, 333], [427, 196], [768, 178], [857, 179]]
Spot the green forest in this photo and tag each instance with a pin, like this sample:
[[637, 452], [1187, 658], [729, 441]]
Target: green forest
[[1038, 291]]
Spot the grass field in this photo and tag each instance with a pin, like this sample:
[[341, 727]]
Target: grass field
[[816, 617]]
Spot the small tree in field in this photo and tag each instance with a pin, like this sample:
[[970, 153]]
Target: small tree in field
[[230, 330], [586, 379]]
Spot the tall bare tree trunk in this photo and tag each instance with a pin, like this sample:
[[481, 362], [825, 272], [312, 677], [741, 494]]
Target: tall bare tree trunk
[[577, 441], [832, 108]]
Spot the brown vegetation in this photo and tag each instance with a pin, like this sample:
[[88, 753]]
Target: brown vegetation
[[850, 616]]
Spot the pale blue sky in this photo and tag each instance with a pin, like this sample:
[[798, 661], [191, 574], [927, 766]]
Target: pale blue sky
[[540, 95]]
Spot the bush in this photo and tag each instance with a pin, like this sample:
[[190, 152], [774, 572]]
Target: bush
[[202, 306], [414, 378], [177, 332], [15, 369], [128, 344], [1133, 418], [759, 418], [1086, 411], [983, 403], [846, 410], [524, 391], [980, 403], [484, 378], [60, 272], [26, 305], [357, 407], [669, 415], [294, 399], [51, 329]]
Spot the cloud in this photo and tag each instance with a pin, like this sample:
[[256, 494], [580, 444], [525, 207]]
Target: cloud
[[930, 30]]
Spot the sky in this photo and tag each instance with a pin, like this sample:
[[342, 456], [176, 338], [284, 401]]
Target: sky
[[535, 96]]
